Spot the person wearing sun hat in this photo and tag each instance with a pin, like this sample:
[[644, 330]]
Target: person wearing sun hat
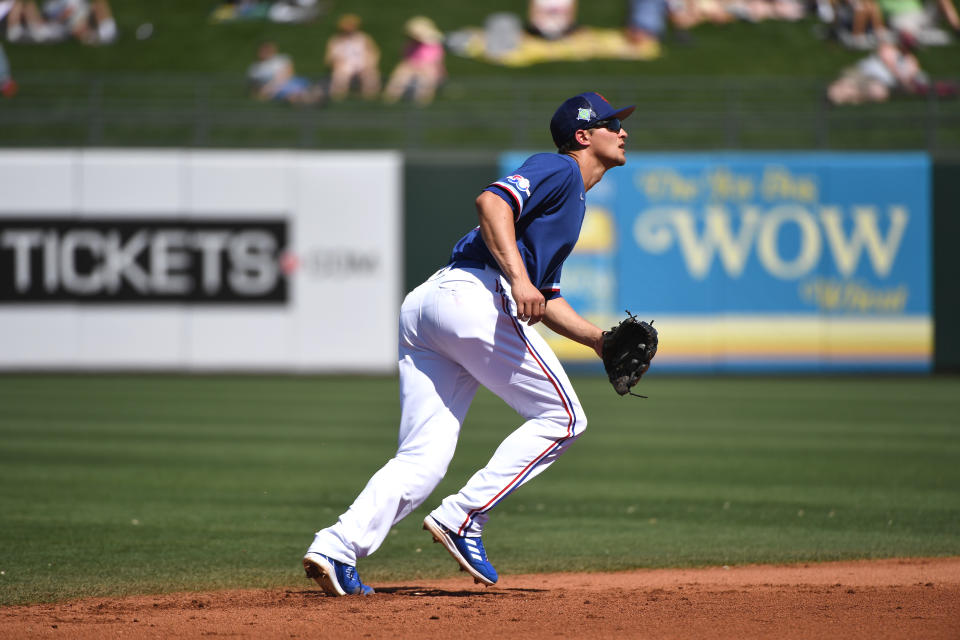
[[422, 29], [422, 69], [352, 56]]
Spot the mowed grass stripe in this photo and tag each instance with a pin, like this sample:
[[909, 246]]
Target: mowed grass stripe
[[112, 484]]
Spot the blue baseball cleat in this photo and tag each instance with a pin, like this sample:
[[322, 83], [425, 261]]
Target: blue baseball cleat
[[333, 576], [468, 552]]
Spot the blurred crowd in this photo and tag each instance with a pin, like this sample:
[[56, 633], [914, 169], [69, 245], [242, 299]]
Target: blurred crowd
[[353, 59], [87, 21], [275, 11], [890, 32]]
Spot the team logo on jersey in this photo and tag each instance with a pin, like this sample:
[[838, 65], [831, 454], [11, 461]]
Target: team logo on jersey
[[585, 114], [520, 182]]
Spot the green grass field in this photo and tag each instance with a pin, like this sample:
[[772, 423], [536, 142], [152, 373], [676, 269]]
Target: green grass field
[[142, 484]]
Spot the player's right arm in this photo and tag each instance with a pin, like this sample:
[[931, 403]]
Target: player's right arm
[[500, 236]]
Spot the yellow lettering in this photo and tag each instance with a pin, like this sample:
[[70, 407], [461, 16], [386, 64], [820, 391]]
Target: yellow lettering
[[767, 242], [657, 229], [779, 184], [665, 184], [864, 237], [835, 295], [824, 294], [726, 185]]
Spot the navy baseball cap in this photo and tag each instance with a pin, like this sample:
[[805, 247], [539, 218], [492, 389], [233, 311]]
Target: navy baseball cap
[[582, 112]]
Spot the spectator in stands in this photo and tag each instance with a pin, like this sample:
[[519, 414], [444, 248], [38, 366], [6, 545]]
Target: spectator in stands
[[272, 78], [8, 88], [287, 11], [106, 25], [353, 56], [689, 13], [790, 10], [421, 70], [647, 22], [88, 22], [25, 23], [231, 10], [891, 68], [858, 24], [69, 18], [913, 17], [760, 10], [551, 19], [291, 11]]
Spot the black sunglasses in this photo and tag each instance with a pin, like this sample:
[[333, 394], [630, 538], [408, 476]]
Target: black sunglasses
[[611, 124]]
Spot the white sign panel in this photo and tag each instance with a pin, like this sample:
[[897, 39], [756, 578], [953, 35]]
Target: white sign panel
[[199, 260]]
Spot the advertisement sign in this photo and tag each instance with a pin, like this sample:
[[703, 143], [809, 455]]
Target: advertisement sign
[[762, 261], [199, 260], [114, 261]]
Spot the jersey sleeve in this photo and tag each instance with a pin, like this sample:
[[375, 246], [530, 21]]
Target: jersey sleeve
[[534, 182], [551, 288]]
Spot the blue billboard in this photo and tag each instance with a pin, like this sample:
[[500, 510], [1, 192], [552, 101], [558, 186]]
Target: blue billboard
[[762, 261]]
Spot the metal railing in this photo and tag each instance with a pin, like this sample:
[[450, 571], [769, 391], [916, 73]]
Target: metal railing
[[481, 114]]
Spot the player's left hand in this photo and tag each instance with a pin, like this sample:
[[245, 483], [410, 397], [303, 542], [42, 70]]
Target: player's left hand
[[627, 351]]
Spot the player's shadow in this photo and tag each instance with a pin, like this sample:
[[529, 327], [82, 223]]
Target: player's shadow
[[430, 592]]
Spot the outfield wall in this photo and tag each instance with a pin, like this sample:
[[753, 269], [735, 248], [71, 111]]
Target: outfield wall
[[290, 261], [762, 261], [946, 263], [200, 260], [749, 262]]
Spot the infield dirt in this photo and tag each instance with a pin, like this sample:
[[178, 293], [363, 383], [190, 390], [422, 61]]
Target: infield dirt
[[909, 598]]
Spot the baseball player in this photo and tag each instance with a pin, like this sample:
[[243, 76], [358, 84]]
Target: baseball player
[[470, 324]]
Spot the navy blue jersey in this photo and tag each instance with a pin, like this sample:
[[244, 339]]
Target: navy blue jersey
[[547, 197]]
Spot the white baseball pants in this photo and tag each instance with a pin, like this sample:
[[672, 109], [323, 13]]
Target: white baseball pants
[[458, 330]]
